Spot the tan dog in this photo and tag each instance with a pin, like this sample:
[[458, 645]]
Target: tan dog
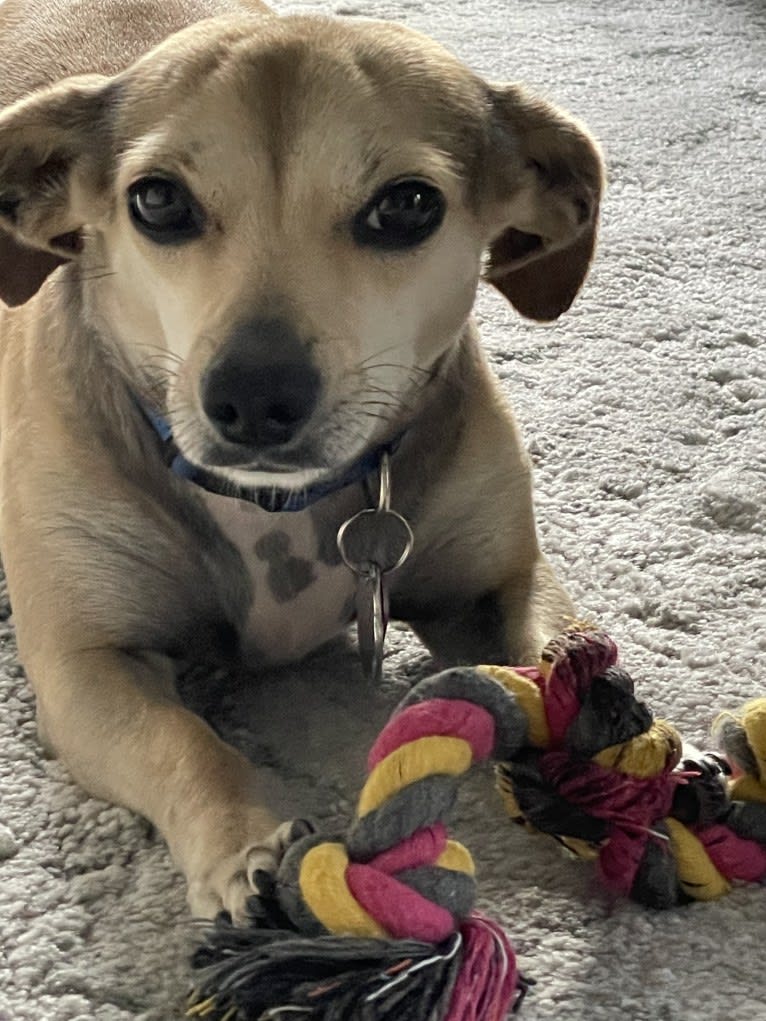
[[272, 232]]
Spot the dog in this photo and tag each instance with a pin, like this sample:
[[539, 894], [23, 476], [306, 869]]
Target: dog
[[249, 245]]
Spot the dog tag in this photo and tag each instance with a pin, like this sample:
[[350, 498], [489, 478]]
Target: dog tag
[[380, 537], [371, 621], [373, 543]]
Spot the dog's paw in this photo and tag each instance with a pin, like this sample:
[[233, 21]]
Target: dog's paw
[[231, 882]]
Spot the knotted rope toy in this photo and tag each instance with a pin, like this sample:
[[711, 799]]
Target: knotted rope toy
[[379, 925]]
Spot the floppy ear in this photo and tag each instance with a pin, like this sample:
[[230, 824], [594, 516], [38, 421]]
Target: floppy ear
[[53, 155], [547, 177], [23, 270]]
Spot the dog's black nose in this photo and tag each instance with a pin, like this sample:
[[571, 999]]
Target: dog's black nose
[[262, 387], [261, 406]]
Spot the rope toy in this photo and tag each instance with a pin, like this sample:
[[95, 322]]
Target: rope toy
[[379, 925]]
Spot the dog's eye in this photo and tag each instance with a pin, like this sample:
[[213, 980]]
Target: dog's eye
[[400, 215], [164, 210]]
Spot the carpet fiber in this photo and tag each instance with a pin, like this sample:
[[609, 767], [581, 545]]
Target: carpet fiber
[[645, 412]]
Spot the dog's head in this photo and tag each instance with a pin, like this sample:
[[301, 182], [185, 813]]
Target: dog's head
[[297, 211]]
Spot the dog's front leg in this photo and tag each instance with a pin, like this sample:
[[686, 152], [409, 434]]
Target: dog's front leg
[[114, 720], [534, 607], [508, 624]]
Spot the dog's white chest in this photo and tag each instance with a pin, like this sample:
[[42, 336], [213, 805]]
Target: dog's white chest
[[302, 594]]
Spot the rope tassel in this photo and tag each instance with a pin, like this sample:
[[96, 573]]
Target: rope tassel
[[380, 924]]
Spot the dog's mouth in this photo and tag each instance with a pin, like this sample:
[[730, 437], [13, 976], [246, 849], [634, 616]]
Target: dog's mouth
[[283, 487], [325, 457], [221, 456], [264, 472]]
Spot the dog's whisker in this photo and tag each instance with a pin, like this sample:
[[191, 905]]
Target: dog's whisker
[[82, 277], [176, 411], [159, 373], [377, 354], [161, 352], [375, 415], [374, 388], [361, 407], [398, 365], [156, 365]]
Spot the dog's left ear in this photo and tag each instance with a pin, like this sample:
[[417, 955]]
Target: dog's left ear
[[546, 179], [53, 155]]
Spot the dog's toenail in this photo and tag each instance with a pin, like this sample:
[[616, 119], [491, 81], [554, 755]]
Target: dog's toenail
[[301, 828], [264, 882]]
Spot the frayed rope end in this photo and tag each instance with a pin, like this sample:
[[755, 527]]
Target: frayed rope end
[[264, 973]]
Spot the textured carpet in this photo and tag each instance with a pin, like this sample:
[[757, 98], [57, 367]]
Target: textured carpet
[[645, 412]]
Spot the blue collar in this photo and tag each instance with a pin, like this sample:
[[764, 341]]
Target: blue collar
[[269, 498]]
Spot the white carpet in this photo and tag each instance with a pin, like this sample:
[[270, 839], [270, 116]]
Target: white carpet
[[645, 411]]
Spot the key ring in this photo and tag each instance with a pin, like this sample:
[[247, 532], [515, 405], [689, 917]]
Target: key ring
[[365, 539], [384, 493], [372, 543]]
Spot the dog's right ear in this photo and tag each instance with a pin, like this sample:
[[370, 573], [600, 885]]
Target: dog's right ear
[[23, 270], [548, 175], [53, 161]]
